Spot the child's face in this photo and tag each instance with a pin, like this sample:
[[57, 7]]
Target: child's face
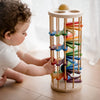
[[20, 34]]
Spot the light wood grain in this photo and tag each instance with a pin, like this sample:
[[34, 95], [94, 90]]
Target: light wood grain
[[39, 88]]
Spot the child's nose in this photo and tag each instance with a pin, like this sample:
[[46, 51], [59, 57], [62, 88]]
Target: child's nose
[[25, 34]]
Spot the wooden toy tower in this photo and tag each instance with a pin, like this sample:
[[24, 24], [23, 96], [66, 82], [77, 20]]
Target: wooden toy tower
[[65, 46]]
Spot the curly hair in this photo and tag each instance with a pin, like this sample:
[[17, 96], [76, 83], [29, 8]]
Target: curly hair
[[11, 12]]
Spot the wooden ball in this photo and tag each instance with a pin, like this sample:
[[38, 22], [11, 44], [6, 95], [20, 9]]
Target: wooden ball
[[63, 7]]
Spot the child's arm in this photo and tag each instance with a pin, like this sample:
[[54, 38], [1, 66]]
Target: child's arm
[[31, 60], [33, 70]]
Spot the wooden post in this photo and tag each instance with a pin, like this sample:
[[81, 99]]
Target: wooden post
[[81, 43], [58, 52], [73, 51], [51, 44], [65, 20]]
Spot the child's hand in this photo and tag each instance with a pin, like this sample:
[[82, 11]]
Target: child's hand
[[44, 61], [50, 68], [3, 80]]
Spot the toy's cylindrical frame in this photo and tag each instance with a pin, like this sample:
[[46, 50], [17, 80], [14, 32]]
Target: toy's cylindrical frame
[[65, 14]]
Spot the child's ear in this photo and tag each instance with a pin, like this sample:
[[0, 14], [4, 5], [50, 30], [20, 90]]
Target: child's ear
[[7, 35]]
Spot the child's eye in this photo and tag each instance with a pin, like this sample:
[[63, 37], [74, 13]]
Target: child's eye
[[23, 33]]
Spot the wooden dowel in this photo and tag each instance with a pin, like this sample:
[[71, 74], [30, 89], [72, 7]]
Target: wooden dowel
[[81, 43], [65, 21], [57, 44], [51, 44], [73, 50]]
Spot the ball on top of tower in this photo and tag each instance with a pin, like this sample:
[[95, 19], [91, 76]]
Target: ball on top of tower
[[63, 7]]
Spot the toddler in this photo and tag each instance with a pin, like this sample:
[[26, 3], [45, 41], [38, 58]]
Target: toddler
[[14, 21]]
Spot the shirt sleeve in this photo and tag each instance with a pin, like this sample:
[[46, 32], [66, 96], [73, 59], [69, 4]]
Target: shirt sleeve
[[16, 48], [9, 58]]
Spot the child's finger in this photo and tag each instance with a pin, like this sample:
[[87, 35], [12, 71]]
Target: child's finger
[[54, 61], [48, 58], [49, 61], [4, 78]]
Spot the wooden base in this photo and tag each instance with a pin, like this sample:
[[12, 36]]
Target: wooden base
[[69, 86]]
